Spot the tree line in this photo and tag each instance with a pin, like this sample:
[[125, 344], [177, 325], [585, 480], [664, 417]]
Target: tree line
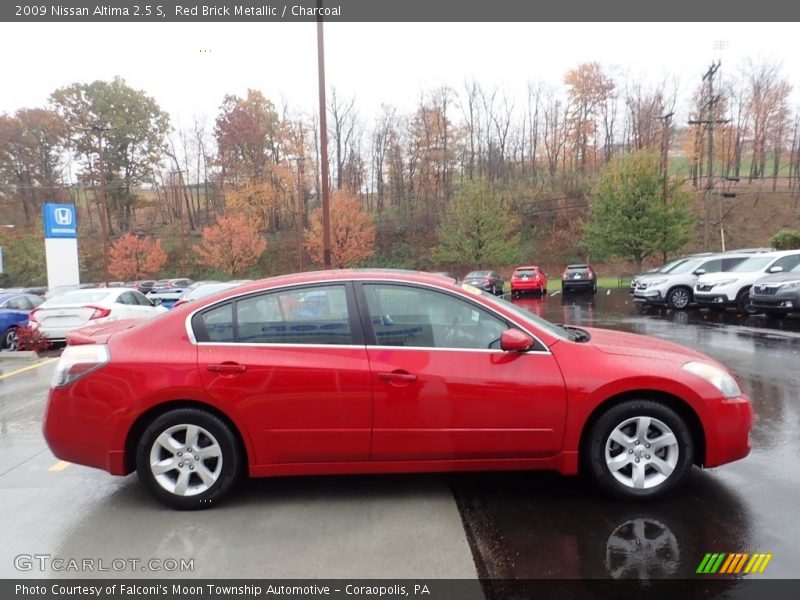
[[408, 183]]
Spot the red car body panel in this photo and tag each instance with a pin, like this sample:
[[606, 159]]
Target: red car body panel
[[535, 283], [342, 409]]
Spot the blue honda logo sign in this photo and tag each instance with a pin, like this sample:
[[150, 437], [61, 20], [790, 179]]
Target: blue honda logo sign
[[60, 221]]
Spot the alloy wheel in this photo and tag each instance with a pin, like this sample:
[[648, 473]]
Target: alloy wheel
[[641, 452], [186, 460]]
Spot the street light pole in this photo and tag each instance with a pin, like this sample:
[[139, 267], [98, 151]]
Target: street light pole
[[323, 138]]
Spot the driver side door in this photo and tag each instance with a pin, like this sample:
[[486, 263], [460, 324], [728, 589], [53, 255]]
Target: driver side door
[[443, 389]]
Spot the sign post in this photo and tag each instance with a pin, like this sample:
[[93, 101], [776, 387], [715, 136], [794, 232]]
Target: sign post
[[61, 244]]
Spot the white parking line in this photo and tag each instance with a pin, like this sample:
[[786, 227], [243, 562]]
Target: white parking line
[[555, 293], [608, 292]]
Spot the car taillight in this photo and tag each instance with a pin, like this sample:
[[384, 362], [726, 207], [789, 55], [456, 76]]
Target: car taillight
[[77, 361], [487, 279], [32, 316], [565, 274], [99, 312]]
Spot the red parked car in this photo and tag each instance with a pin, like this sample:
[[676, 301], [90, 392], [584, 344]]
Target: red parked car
[[352, 371], [528, 279]]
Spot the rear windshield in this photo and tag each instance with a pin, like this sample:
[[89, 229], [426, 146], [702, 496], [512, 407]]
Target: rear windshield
[[756, 263], [79, 297], [477, 274], [577, 267], [525, 272]]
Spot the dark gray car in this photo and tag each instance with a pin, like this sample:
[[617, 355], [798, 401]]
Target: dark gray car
[[488, 281], [777, 294]]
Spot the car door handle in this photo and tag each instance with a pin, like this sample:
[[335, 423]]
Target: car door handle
[[397, 377], [227, 368]]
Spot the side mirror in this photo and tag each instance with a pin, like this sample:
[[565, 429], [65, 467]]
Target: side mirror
[[775, 270], [514, 340], [700, 272]]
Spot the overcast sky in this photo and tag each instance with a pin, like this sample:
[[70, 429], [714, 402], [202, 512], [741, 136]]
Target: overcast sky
[[189, 67]]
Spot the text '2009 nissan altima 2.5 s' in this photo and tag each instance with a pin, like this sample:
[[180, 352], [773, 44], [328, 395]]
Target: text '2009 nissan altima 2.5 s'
[[383, 371]]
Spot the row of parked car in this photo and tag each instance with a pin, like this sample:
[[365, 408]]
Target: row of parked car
[[531, 279], [752, 281], [55, 313]]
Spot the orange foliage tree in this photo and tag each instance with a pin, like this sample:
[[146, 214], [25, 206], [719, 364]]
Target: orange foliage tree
[[232, 245], [352, 232], [134, 257]]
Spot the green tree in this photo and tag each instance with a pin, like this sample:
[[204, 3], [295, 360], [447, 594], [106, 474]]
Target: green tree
[[629, 218], [786, 239], [134, 132], [478, 228]]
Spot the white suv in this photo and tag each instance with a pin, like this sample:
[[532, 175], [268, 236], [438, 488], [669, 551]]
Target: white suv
[[675, 287], [732, 288]]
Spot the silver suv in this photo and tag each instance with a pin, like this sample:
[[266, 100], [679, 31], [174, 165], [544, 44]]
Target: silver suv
[[675, 288]]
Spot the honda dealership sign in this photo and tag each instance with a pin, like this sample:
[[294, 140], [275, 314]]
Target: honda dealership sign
[[61, 244]]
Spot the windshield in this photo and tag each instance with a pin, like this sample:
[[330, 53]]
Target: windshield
[[687, 267], [539, 322], [755, 263], [671, 265], [79, 297]]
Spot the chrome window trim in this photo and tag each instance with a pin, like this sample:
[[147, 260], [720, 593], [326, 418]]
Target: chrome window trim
[[459, 293]]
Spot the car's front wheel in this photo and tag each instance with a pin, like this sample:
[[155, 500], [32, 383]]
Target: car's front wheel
[[744, 304], [639, 449], [189, 458], [679, 298]]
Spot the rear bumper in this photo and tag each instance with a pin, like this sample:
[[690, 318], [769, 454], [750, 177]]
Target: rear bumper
[[527, 286], [82, 431], [577, 284], [728, 431]]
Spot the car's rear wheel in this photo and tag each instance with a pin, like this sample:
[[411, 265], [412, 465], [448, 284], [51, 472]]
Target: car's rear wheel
[[679, 298], [10, 340], [639, 449], [188, 458]]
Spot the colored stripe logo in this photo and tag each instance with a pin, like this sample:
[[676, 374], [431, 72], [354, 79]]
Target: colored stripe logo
[[734, 563]]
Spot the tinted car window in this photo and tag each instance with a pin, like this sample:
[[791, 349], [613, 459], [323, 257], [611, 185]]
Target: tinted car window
[[788, 262], [417, 317], [309, 315], [218, 324], [712, 266], [127, 298], [18, 303], [141, 300], [729, 263]]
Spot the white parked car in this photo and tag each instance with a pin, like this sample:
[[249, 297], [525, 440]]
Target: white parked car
[[674, 288], [721, 290], [58, 316]]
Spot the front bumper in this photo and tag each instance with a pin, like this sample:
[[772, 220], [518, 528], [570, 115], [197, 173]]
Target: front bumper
[[712, 299], [728, 431], [776, 302], [653, 296]]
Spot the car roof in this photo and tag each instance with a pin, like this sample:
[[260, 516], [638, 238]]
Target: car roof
[[527, 267]]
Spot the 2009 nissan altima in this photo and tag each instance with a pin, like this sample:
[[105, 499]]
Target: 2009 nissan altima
[[368, 371]]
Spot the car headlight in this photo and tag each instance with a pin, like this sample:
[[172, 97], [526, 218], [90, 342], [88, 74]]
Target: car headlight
[[77, 361], [719, 378], [790, 285], [655, 283]]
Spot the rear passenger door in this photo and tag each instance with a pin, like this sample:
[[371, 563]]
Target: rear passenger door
[[292, 364]]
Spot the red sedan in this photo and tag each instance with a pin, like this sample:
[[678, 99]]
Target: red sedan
[[528, 279], [376, 371]]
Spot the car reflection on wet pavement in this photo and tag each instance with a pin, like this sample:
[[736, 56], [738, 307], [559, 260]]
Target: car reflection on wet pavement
[[541, 525]]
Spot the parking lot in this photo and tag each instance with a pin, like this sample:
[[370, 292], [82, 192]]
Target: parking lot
[[499, 526]]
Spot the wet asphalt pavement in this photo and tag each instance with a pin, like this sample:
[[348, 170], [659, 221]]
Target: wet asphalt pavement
[[541, 525], [501, 526]]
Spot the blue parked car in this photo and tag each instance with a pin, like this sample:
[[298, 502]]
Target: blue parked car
[[14, 311]]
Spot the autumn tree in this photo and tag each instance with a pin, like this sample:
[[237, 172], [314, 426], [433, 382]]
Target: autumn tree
[[588, 88], [232, 245], [133, 130], [133, 257], [628, 216], [479, 228], [352, 232]]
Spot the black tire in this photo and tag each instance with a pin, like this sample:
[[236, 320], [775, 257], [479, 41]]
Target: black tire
[[661, 416], [544, 291], [743, 303], [231, 455], [9, 341], [679, 298], [594, 288]]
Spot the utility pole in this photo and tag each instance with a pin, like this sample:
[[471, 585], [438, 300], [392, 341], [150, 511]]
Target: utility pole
[[323, 137], [665, 165], [710, 121], [104, 198]]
